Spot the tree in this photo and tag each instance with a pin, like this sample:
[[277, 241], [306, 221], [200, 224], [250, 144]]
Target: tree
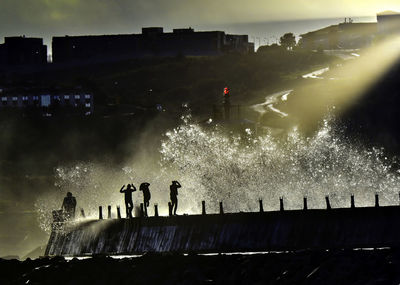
[[288, 41]]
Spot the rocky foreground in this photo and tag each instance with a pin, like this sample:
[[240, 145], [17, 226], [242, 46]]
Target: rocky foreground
[[306, 267]]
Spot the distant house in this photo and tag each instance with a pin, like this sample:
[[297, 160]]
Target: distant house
[[151, 42], [388, 22], [47, 102], [23, 51], [346, 35]]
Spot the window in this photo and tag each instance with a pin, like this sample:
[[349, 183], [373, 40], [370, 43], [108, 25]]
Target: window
[[77, 97], [15, 98], [3, 99], [87, 105], [87, 96], [46, 101], [25, 100], [66, 97]]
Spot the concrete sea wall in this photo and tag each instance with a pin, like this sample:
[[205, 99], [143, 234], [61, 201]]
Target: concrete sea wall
[[237, 232]]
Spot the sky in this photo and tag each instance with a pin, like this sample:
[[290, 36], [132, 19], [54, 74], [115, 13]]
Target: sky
[[59, 17]]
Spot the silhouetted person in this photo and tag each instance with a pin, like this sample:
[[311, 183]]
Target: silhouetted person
[[144, 187], [68, 206], [128, 198], [174, 195]]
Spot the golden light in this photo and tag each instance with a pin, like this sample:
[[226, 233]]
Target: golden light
[[343, 85]]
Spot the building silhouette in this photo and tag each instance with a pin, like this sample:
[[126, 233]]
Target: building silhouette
[[346, 35], [151, 42], [47, 102], [388, 22], [23, 51], [350, 35]]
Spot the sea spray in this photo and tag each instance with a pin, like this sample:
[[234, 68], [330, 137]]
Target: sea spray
[[214, 164], [240, 169]]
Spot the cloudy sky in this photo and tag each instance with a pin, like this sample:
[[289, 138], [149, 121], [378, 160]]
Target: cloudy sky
[[60, 17]]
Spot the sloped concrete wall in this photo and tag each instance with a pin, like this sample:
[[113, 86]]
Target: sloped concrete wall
[[240, 232]]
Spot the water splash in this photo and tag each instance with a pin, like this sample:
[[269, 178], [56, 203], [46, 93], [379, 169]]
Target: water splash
[[215, 165], [238, 170], [96, 185]]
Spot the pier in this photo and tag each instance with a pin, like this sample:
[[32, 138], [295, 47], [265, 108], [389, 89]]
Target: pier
[[283, 230]]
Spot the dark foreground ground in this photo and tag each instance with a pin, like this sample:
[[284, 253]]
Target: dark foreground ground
[[338, 267]]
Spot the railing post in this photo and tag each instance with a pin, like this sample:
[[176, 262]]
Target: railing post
[[260, 202], [83, 213], [155, 210], [118, 212], [109, 212], [376, 200], [305, 207], [169, 209], [281, 208], [203, 207], [328, 204], [100, 212], [221, 208], [352, 203]]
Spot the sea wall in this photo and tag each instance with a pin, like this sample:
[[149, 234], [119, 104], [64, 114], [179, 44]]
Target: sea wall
[[238, 232]]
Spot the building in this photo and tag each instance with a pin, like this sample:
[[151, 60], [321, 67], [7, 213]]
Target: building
[[388, 22], [48, 102], [2, 55], [347, 35], [151, 42], [23, 51]]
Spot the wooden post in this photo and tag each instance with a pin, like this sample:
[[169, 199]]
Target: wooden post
[[328, 204], [155, 210], [260, 202], [118, 212], [203, 207], [376, 200], [352, 203], [169, 209], [221, 208], [281, 208], [109, 212], [100, 212], [305, 207]]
